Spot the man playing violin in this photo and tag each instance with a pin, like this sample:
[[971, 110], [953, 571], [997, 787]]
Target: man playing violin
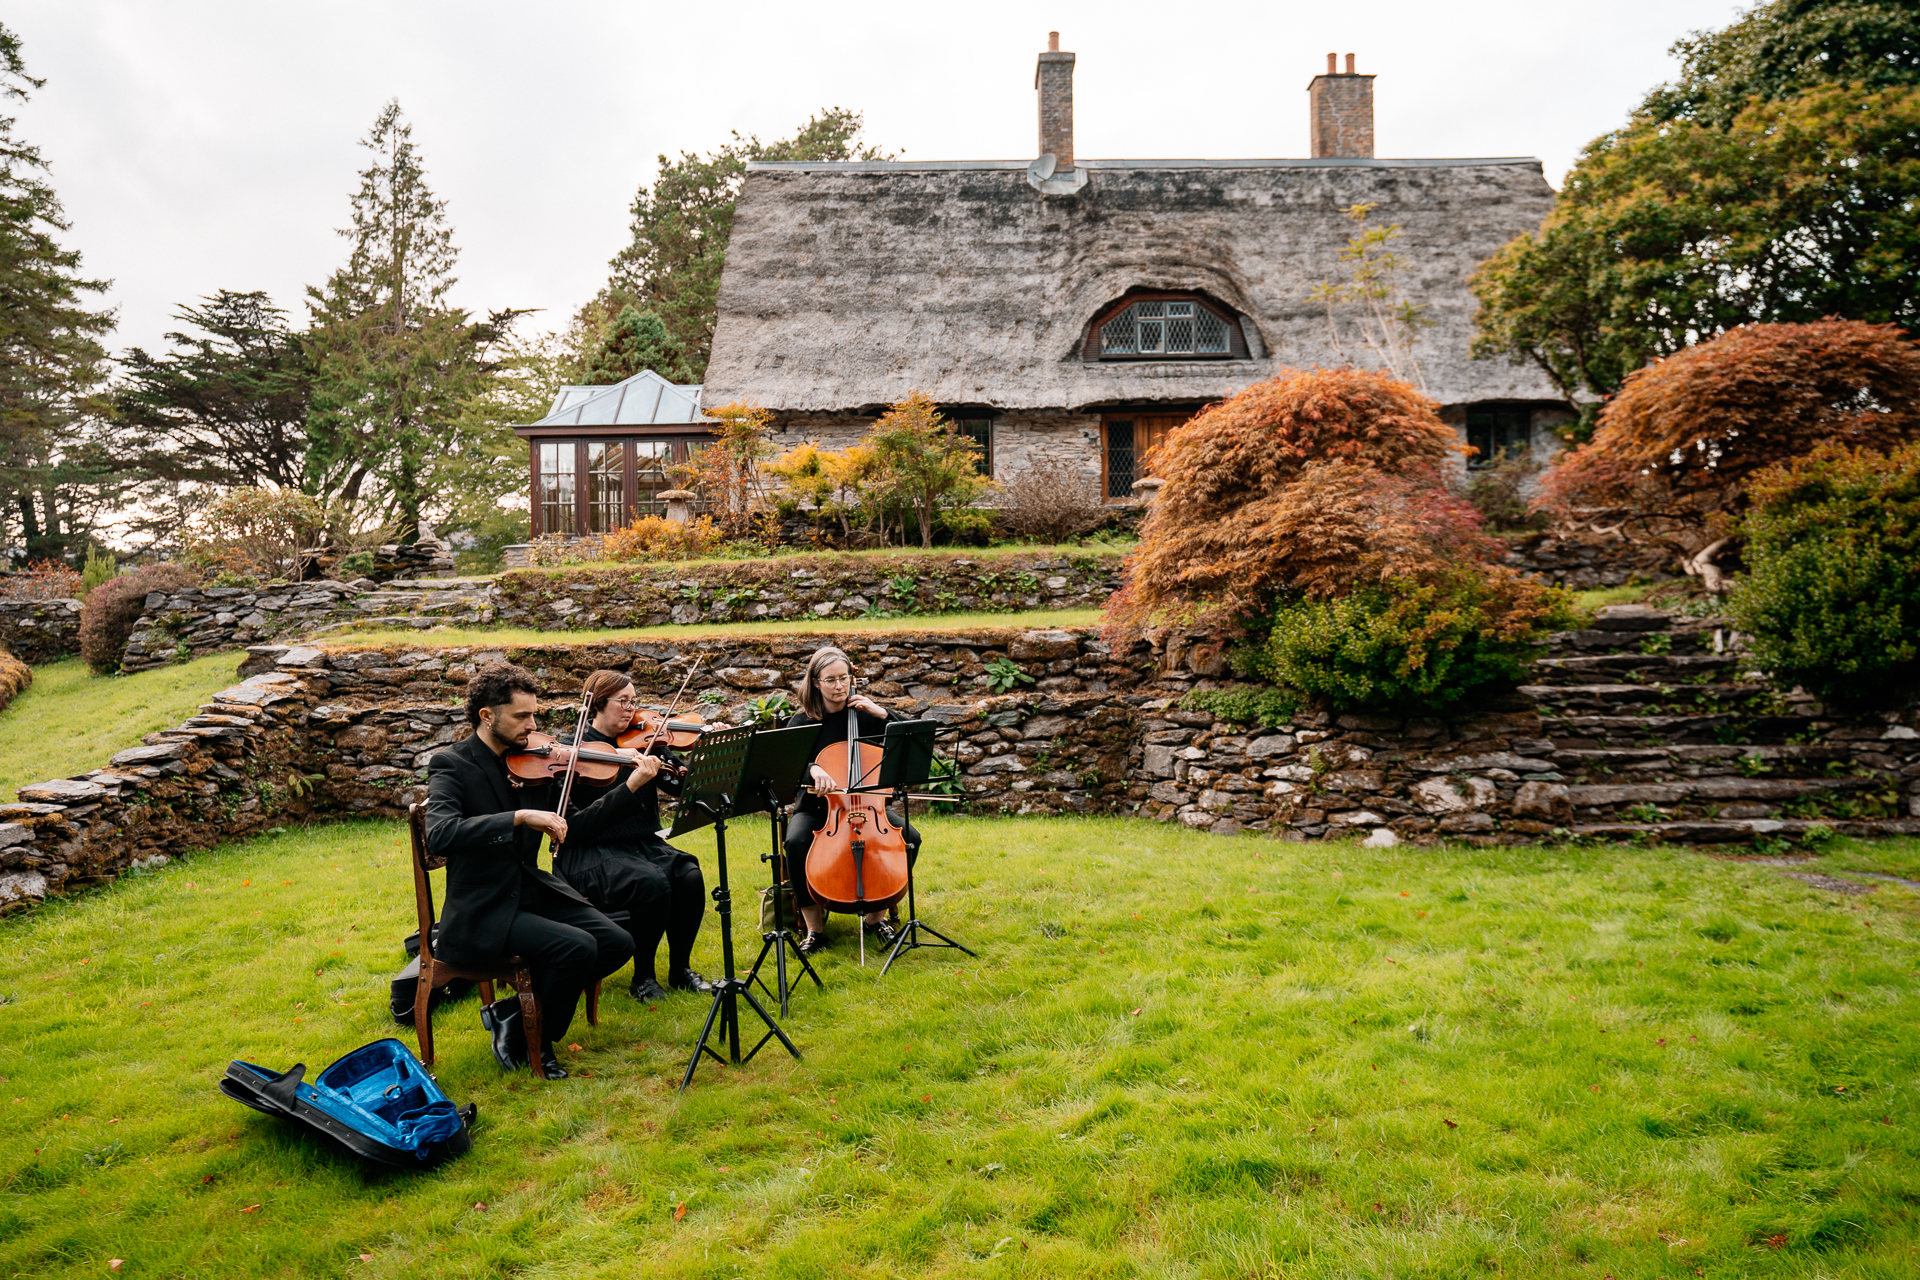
[[826, 692], [499, 903], [627, 866]]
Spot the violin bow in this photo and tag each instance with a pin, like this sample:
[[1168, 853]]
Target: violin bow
[[573, 757], [667, 719]]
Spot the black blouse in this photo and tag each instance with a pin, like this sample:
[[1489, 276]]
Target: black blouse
[[641, 823]]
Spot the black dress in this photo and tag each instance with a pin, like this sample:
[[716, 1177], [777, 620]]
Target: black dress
[[626, 866], [811, 812]]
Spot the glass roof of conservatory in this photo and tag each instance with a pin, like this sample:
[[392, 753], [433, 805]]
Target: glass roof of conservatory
[[644, 399]]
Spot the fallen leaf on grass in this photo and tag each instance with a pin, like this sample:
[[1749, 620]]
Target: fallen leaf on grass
[[480, 1205], [114, 1264], [1136, 1012], [250, 1208], [1777, 1240], [1451, 1124], [680, 1211], [573, 1048], [366, 1257]]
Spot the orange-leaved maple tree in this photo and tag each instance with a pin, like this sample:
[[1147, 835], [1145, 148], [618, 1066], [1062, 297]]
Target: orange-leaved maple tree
[[1670, 460], [1311, 483]]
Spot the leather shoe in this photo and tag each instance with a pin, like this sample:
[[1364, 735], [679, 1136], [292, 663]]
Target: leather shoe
[[688, 980], [813, 944], [502, 1021], [885, 930], [550, 1064], [647, 990]]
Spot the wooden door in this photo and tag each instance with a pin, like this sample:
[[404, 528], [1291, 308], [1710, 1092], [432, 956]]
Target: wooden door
[[1127, 445]]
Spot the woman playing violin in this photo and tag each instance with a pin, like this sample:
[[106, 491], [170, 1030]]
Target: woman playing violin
[[629, 867], [826, 692]]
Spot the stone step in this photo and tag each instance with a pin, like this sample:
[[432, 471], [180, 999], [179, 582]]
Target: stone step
[[1702, 753], [1713, 790], [1677, 669], [1600, 699], [1728, 831]]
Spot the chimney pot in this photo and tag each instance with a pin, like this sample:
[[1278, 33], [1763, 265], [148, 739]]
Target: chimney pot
[[1340, 114], [1053, 78], [1333, 64]]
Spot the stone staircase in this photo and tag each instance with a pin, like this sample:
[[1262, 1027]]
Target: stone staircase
[[1659, 730], [421, 603]]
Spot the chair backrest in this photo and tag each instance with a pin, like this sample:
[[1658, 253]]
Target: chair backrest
[[423, 862]]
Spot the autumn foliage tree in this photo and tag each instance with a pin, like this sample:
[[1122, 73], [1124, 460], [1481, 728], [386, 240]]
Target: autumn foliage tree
[[1671, 458]]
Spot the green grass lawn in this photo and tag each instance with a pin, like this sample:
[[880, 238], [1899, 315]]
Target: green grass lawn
[[1177, 1055], [498, 636], [72, 720]]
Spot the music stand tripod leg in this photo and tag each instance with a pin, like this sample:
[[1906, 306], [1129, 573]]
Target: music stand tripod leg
[[909, 938], [779, 938]]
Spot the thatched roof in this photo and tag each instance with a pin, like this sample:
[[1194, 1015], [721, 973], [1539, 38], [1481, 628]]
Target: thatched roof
[[849, 285]]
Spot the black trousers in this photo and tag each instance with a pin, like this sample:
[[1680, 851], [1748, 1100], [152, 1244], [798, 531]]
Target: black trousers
[[660, 887], [800, 829], [570, 947]]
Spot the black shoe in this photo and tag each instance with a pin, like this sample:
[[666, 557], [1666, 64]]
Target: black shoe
[[551, 1064], [885, 930], [502, 1020], [688, 980], [648, 990], [813, 944]]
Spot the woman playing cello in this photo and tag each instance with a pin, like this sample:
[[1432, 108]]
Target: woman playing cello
[[826, 691], [629, 867]]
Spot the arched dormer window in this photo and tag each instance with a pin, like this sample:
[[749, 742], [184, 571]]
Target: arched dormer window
[[1166, 326]]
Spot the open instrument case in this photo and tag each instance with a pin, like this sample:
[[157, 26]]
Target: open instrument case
[[377, 1103]]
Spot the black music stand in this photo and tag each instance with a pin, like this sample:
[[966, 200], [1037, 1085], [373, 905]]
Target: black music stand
[[716, 767], [776, 762], [907, 761]]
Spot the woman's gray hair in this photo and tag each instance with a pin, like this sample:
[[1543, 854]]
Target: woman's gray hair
[[810, 700]]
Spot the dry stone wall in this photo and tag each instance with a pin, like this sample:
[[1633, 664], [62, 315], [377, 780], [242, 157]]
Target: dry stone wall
[[37, 631], [1643, 727]]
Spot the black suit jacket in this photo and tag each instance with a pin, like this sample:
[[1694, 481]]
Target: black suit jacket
[[470, 808]]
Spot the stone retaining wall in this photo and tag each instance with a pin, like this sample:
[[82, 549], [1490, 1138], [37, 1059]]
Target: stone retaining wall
[[803, 586], [37, 631], [177, 625], [1095, 727], [1583, 565]]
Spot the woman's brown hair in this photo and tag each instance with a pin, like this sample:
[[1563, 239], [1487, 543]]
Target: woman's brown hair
[[605, 686], [810, 700]]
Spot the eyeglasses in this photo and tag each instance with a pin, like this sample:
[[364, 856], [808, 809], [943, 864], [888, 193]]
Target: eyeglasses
[[624, 701], [842, 679]]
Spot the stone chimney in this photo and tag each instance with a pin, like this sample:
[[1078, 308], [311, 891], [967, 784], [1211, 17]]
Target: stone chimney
[[1340, 113], [1054, 80]]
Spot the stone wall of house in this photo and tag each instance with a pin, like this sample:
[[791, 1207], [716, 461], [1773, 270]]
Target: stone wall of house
[[37, 631], [1642, 727], [1019, 439]]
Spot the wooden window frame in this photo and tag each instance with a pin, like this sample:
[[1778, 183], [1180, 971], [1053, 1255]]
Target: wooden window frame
[[1090, 350]]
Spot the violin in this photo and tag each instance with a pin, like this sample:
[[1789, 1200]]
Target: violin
[[858, 859], [650, 726], [547, 757]]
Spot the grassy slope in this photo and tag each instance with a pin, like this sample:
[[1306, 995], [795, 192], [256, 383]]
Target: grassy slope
[[72, 720], [942, 623], [1177, 1056]]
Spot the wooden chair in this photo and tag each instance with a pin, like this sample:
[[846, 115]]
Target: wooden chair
[[513, 970]]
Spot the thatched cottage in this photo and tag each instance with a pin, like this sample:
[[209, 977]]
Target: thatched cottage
[[1079, 309]]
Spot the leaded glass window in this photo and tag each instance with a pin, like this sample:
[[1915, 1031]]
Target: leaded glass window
[[1166, 327], [556, 488], [1498, 433], [980, 432], [651, 459]]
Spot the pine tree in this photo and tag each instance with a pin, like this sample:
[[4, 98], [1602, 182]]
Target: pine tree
[[635, 341], [392, 360], [53, 478]]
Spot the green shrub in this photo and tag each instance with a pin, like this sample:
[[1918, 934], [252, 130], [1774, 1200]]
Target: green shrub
[[110, 610], [1409, 646], [967, 526], [100, 567], [1831, 597], [1248, 704]]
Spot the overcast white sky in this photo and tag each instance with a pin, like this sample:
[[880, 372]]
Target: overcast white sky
[[207, 144]]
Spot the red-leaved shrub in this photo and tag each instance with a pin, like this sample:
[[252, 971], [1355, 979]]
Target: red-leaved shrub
[[1312, 483], [111, 609]]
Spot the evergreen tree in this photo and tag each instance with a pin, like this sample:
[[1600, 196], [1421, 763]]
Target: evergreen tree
[[636, 340], [392, 360], [227, 406], [55, 482], [681, 225]]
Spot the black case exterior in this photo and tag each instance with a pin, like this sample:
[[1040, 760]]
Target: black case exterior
[[276, 1094]]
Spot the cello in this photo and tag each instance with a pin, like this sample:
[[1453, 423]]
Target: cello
[[858, 859]]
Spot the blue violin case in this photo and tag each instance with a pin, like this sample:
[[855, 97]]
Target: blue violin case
[[377, 1103]]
